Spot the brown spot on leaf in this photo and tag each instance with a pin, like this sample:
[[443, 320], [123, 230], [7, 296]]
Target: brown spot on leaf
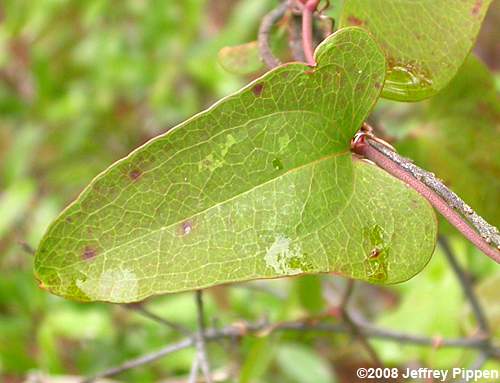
[[353, 20], [476, 8], [257, 89], [360, 87], [135, 174], [42, 285], [89, 253], [374, 253], [186, 227], [309, 71], [378, 85]]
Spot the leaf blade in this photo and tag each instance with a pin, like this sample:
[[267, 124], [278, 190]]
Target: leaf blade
[[212, 203], [458, 127], [425, 41]]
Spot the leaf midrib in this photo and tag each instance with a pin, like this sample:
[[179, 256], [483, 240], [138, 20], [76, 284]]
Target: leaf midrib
[[151, 232]]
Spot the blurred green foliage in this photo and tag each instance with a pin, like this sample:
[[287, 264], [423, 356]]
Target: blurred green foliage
[[84, 82]]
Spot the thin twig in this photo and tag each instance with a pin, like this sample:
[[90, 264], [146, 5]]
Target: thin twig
[[148, 314], [327, 25], [471, 297], [348, 291], [266, 26], [201, 347], [27, 248], [193, 374], [241, 330], [429, 187], [481, 359], [346, 316], [466, 286], [307, 30], [146, 359]]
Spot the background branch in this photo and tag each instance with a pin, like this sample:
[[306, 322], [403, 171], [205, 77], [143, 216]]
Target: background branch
[[471, 297], [346, 316], [295, 38], [200, 338], [466, 285], [140, 309], [265, 328], [266, 26], [193, 374]]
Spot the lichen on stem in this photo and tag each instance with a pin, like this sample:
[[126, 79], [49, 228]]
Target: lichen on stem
[[451, 207]]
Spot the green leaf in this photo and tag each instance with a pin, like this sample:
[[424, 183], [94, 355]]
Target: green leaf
[[261, 185], [260, 354], [310, 294], [302, 365], [14, 202], [241, 59], [425, 41], [455, 135]]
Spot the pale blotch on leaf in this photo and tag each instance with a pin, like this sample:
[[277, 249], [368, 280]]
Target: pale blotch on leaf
[[112, 285], [378, 252], [215, 160], [284, 257]]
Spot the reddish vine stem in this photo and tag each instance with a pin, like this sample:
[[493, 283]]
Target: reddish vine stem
[[488, 232], [307, 30], [396, 165]]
